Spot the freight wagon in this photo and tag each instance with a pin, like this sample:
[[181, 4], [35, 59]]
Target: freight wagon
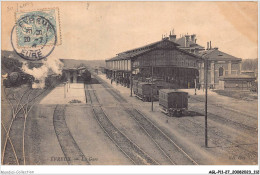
[[173, 102], [144, 91]]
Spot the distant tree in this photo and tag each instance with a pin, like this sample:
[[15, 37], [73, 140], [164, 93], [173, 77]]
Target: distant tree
[[250, 64], [12, 65]]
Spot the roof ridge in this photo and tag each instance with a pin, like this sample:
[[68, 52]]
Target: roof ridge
[[146, 47]]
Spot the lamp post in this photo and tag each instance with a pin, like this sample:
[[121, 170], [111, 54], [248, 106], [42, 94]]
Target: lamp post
[[64, 89], [67, 86], [206, 101], [195, 85]]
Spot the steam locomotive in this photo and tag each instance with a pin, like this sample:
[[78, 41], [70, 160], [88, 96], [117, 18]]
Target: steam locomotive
[[84, 76], [15, 79]]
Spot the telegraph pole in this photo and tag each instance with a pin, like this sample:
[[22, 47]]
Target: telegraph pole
[[195, 84], [206, 101], [64, 89]]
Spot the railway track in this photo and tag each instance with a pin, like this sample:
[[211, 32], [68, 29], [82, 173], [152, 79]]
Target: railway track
[[128, 147], [9, 150], [228, 109], [215, 133], [115, 94], [174, 153], [91, 93], [73, 154], [218, 118], [20, 111]]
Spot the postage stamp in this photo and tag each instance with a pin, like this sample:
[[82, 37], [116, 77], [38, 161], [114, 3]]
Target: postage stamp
[[35, 35]]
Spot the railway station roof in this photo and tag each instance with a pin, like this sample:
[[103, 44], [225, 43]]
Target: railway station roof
[[123, 56], [141, 50], [216, 55]]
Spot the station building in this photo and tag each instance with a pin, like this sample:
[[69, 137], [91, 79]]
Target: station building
[[164, 59], [178, 61], [220, 65]]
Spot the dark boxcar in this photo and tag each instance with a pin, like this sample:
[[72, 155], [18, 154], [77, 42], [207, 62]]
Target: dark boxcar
[[144, 91], [173, 102]]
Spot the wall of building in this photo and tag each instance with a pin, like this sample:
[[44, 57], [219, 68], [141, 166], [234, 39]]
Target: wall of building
[[229, 68], [166, 58], [234, 85], [124, 65]]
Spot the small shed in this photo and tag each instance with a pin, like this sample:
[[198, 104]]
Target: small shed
[[236, 82]]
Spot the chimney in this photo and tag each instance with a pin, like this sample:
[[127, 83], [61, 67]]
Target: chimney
[[165, 37], [193, 38], [210, 45], [207, 45], [172, 37], [187, 40]]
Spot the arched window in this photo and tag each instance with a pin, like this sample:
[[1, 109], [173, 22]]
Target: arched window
[[220, 71]]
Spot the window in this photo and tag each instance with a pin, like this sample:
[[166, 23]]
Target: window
[[220, 71]]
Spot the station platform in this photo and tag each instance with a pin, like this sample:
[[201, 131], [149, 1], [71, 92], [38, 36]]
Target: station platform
[[125, 90], [72, 93]]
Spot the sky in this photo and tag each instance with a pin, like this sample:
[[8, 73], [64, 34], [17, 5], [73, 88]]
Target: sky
[[100, 30]]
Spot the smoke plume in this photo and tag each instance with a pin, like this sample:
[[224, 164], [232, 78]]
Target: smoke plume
[[50, 64]]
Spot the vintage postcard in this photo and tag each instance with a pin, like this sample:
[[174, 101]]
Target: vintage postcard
[[129, 83]]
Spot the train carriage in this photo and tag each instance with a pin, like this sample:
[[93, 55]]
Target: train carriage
[[144, 91], [173, 102]]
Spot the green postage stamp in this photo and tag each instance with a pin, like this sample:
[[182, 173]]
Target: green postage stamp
[[36, 33]]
